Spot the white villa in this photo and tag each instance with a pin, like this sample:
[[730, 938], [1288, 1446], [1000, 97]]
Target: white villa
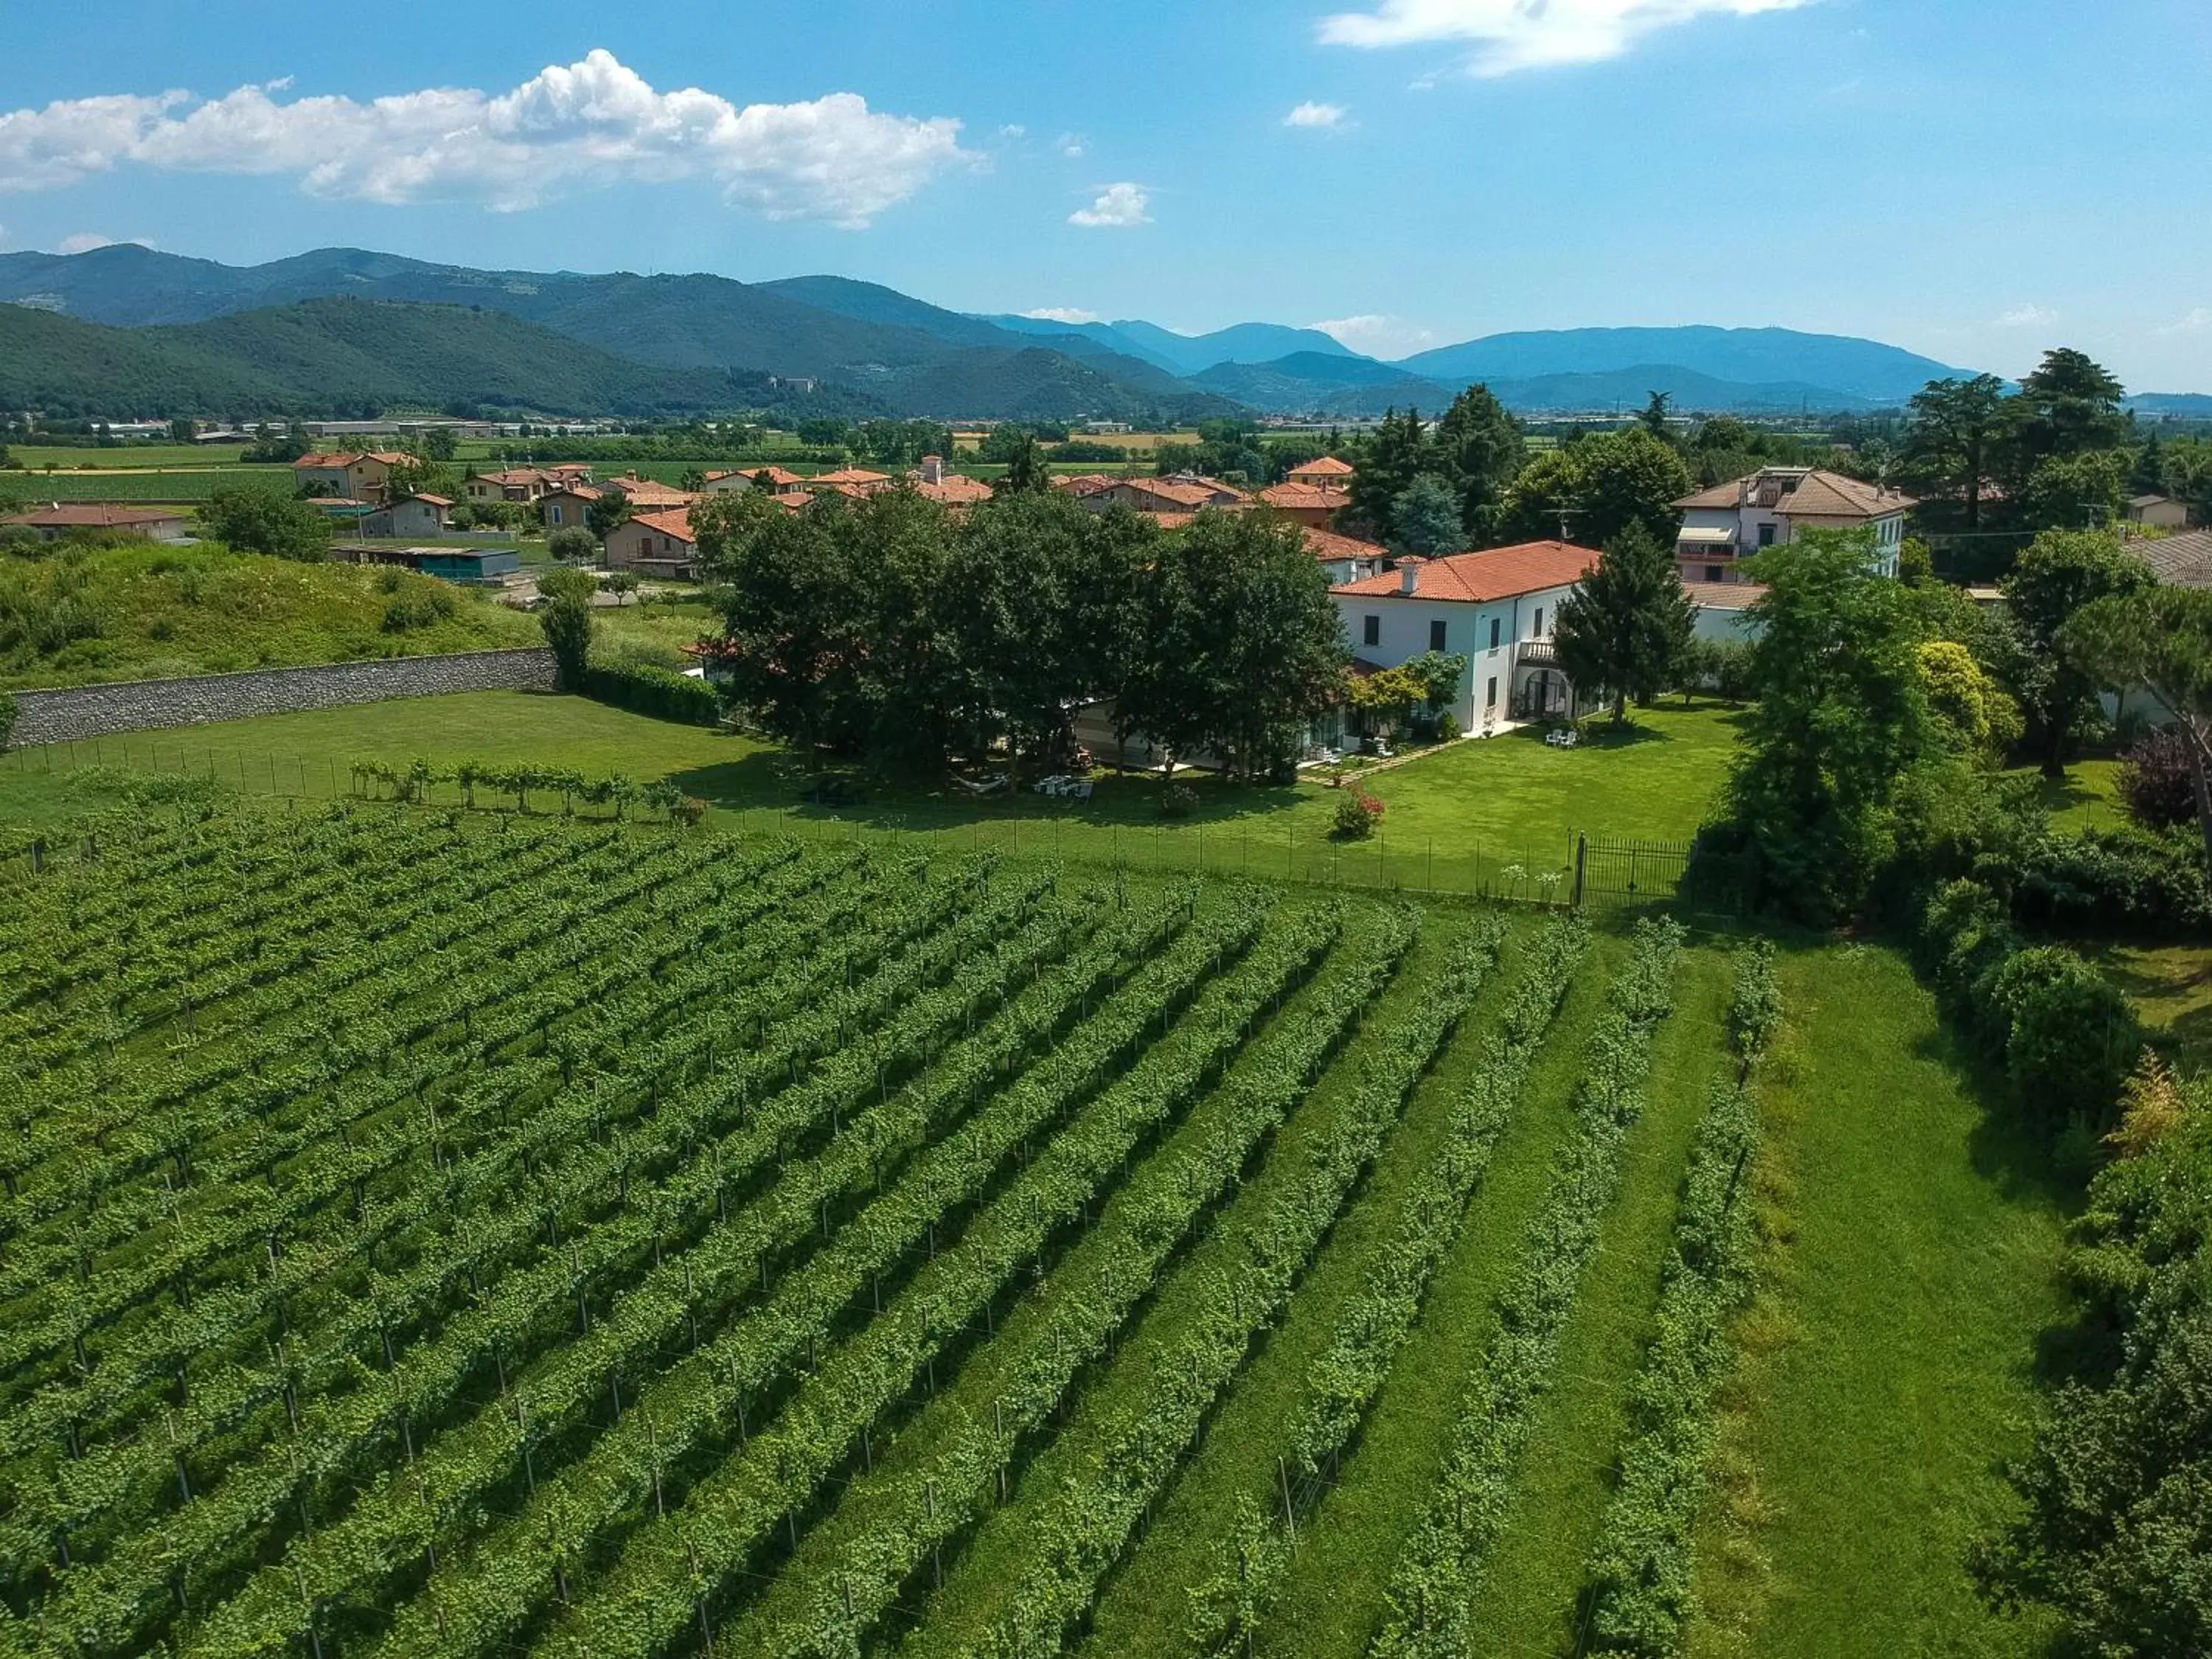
[[1731, 522], [1497, 607]]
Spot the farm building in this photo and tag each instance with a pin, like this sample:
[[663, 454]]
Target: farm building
[[52, 522]]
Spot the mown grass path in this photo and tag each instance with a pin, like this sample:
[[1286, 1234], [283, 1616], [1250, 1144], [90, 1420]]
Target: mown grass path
[[1926, 1261]]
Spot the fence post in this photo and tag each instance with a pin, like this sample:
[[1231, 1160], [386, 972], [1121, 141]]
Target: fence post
[[1581, 859]]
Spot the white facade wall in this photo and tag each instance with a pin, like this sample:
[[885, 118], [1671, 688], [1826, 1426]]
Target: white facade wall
[[1403, 631]]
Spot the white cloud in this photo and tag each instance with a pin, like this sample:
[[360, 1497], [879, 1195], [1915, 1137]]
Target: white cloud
[[1072, 145], [1509, 35], [1318, 115], [1376, 335], [2196, 322], [2027, 316], [1063, 314], [590, 124], [1013, 130], [1117, 207]]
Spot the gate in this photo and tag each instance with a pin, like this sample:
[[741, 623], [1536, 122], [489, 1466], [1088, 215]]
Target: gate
[[1629, 872]]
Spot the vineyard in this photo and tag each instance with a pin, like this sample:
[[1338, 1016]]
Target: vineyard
[[439, 1233]]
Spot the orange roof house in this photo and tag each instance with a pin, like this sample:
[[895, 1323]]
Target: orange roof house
[[1326, 473], [1498, 573]]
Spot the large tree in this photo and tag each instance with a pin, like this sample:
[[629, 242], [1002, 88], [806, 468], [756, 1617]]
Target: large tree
[[1040, 602], [1241, 645], [2063, 572], [1951, 437], [1599, 486], [1625, 628], [1840, 714], [2159, 638], [1479, 450], [2069, 405], [1424, 520], [1398, 452], [1026, 471], [249, 520], [566, 620]]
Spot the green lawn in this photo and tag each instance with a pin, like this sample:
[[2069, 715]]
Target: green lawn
[[1484, 815], [38, 457], [1898, 1345], [2087, 797]]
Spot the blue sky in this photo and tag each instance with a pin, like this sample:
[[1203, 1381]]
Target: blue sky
[[1973, 180]]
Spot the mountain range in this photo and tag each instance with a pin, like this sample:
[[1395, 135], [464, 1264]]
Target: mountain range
[[210, 334]]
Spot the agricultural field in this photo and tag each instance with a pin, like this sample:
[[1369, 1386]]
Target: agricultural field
[[457, 1232], [179, 484]]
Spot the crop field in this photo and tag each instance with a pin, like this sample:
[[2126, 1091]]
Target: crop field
[[448, 1233], [176, 484]]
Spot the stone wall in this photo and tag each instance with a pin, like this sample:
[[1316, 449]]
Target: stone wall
[[99, 711]]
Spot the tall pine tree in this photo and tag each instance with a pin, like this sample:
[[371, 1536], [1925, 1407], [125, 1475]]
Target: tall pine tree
[[1624, 630]]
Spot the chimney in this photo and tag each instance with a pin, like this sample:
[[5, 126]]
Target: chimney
[[1409, 577], [932, 468]]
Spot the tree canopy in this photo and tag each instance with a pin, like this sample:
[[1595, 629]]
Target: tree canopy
[[2059, 575], [1625, 629]]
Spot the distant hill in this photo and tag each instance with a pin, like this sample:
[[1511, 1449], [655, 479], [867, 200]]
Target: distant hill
[[345, 356], [1312, 382], [2185, 405], [1864, 370], [703, 322], [1187, 355]]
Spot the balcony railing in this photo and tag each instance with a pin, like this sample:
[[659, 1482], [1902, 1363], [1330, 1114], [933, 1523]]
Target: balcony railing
[[1539, 652]]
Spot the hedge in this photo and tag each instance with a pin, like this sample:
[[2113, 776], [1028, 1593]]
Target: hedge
[[660, 692]]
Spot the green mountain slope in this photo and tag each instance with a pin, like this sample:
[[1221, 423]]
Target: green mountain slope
[[330, 357]]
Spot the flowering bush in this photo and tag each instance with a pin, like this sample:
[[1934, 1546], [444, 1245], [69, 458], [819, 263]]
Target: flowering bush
[[1357, 815], [1178, 801]]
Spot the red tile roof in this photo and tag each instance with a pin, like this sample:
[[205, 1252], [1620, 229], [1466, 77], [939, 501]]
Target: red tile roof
[[94, 515], [651, 494], [1327, 467], [954, 489], [1327, 545], [676, 524], [1084, 483], [1310, 498], [859, 477], [1498, 573]]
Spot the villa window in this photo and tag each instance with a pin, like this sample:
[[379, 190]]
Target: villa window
[[1495, 625], [1539, 633], [1490, 701], [1371, 631], [1436, 635], [1766, 534]]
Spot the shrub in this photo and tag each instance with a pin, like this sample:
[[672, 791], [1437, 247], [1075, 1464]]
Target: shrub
[[572, 543], [2073, 1034], [1178, 801], [660, 692], [417, 605], [7, 716], [1357, 815], [2156, 783]]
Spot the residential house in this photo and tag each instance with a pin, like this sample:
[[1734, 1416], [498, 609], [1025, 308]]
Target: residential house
[[350, 475], [1080, 484], [1731, 522], [2158, 512], [1185, 493], [1723, 611], [778, 480], [1344, 558], [418, 514], [60, 518], [2182, 560], [521, 485], [852, 480], [1326, 473], [1316, 505], [1496, 607], [654, 544], [565, 508], [649, 494]]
